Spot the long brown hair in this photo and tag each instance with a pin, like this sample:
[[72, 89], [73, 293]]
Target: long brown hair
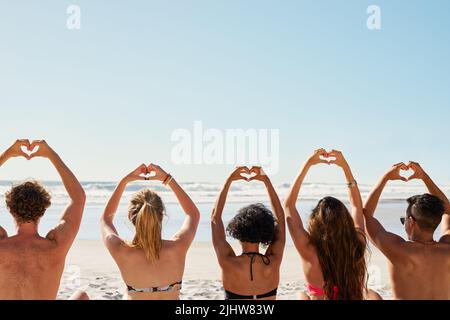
[[341, 253], [146, 212]]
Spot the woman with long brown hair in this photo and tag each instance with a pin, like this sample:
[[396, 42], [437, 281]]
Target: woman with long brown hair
[[151, 267], [333, 247]]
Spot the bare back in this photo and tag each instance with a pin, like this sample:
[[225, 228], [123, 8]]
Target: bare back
[[421, 271], [138, 272], [30, 269], [236, 275]]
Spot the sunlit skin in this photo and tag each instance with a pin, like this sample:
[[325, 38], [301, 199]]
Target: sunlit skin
[[419, 267], [134, 266], [31, 266], [307, 251], [235, 267]]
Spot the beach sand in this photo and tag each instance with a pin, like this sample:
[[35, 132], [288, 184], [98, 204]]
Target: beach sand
[[90, 267]]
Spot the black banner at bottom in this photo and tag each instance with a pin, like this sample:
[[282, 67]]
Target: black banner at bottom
[[198, 309]]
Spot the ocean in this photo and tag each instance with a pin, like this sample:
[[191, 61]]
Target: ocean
[[392, 205]]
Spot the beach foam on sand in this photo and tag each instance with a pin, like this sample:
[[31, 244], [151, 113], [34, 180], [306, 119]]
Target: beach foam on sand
[[90, 267]]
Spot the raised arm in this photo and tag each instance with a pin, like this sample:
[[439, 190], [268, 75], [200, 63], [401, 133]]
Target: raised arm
[[110, 235], [353, 190], [385, 241], [298, 233], [221, 246], [65, 232], [14, 151], [277, 247], [433, 189], [186, 234]]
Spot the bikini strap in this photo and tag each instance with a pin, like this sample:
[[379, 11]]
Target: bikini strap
[[252, 255]]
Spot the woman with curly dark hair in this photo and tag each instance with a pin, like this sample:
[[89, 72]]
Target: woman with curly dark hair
[[333, 248], [251, 275]]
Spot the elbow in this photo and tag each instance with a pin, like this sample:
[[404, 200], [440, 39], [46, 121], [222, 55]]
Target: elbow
[[196, 215], [287, 204], [214, 219], [287, 211], [80, 197], [289, 221], [106, 219], [364, 212]]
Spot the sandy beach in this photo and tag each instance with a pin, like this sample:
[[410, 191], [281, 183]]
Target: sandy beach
[[90, 267]]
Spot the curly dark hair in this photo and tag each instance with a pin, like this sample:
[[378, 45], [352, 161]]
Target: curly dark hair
[[27, 201], [254, 223]]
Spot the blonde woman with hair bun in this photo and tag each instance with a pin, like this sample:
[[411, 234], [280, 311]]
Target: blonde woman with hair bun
[[151, 267]]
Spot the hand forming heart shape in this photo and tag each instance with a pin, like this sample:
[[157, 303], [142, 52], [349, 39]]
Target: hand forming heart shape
[[248, 174], [328, 157], [27, 150], [148, 174], [406, 172], [23, 148]]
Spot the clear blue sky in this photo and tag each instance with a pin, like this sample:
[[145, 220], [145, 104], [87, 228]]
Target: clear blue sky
[[108, 96]]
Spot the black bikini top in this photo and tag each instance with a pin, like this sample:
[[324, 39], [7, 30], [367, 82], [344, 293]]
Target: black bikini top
[[233, 296], [253, 255]]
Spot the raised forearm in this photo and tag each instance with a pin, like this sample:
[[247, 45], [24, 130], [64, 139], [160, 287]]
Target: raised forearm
[[71, 183], [353, 190], [274, 200], [114, 201], [372, 201], [292, 196], [3, 159], [436, 191], [217, 226], [185, 201], [220, 203]]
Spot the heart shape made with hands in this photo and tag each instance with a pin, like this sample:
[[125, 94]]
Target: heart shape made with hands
[[28, 151], [149, 173], [327, 157], [407, 174], [250, 173], [248, 176]]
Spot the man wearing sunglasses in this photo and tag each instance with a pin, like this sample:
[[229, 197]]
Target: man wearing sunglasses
[[420, 266]]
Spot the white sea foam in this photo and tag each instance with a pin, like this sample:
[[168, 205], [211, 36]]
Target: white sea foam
[[98, 193]]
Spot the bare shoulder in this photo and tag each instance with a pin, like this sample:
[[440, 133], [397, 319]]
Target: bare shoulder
[[231, 263], [308, 251], [444, 245], [175, 245], [41, 247], [3, 233], [410, 251], [445, 239]]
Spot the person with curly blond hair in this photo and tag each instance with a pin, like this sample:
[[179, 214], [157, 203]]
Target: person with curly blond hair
[[31, 266]]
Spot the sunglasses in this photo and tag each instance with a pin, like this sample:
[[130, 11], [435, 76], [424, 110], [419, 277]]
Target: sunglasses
[[403, 219]]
